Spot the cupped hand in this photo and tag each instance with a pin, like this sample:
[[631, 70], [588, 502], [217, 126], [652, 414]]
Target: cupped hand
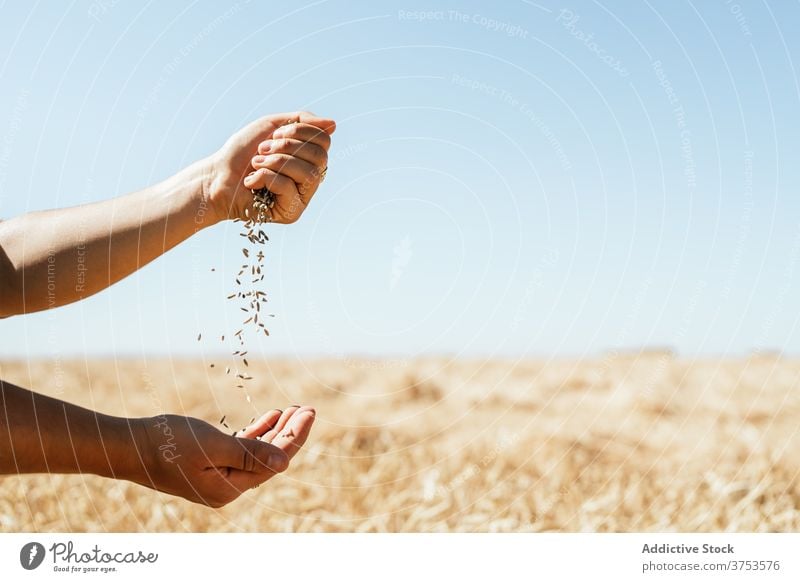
[[284, 152], [189, 458]]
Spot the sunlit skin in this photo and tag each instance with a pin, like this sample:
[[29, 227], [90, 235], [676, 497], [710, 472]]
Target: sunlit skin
[[43, 264]]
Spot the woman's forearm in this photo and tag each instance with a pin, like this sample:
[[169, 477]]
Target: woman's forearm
[[56, 257], [39, 434]]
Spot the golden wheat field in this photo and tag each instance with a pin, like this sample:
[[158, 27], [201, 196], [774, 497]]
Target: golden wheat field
[[643, 442]]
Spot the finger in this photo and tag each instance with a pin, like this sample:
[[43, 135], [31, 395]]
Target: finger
[[261, 425], [295, 433], [324, 123], [310, 152], [287, 414], [249, 455], [277, 183], [289, 205], [302, 132], [305, 175]]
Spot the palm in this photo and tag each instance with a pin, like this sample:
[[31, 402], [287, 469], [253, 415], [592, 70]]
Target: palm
[[234, 165], [208, 466], [287, 429]]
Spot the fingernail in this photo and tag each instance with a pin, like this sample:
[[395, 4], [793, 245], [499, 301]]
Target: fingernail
[[267, 147], [259, 159]]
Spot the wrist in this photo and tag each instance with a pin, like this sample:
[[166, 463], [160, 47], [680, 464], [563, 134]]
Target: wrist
[[215, 187], [198, 182], [126, 449], [188, 196]]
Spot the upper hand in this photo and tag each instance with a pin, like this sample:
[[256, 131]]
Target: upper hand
[[285, 152]]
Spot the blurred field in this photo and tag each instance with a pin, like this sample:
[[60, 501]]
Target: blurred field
[[623, 443]]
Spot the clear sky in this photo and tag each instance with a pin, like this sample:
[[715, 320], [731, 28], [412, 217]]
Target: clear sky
[[507, 177]]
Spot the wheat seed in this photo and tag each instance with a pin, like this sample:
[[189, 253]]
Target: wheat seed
[[263, 203]]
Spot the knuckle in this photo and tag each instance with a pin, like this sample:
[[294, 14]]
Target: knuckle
[[274, 183], [277, 161], [284, 159], [289, 130], [311, 151]]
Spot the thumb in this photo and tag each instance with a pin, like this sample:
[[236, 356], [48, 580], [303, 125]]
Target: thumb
[[251, 455], [324, 123]]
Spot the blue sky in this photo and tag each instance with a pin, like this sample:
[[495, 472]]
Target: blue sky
[[507, 178]]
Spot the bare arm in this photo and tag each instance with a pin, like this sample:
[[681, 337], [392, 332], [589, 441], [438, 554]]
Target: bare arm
[[56, 257], [39, 434]]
